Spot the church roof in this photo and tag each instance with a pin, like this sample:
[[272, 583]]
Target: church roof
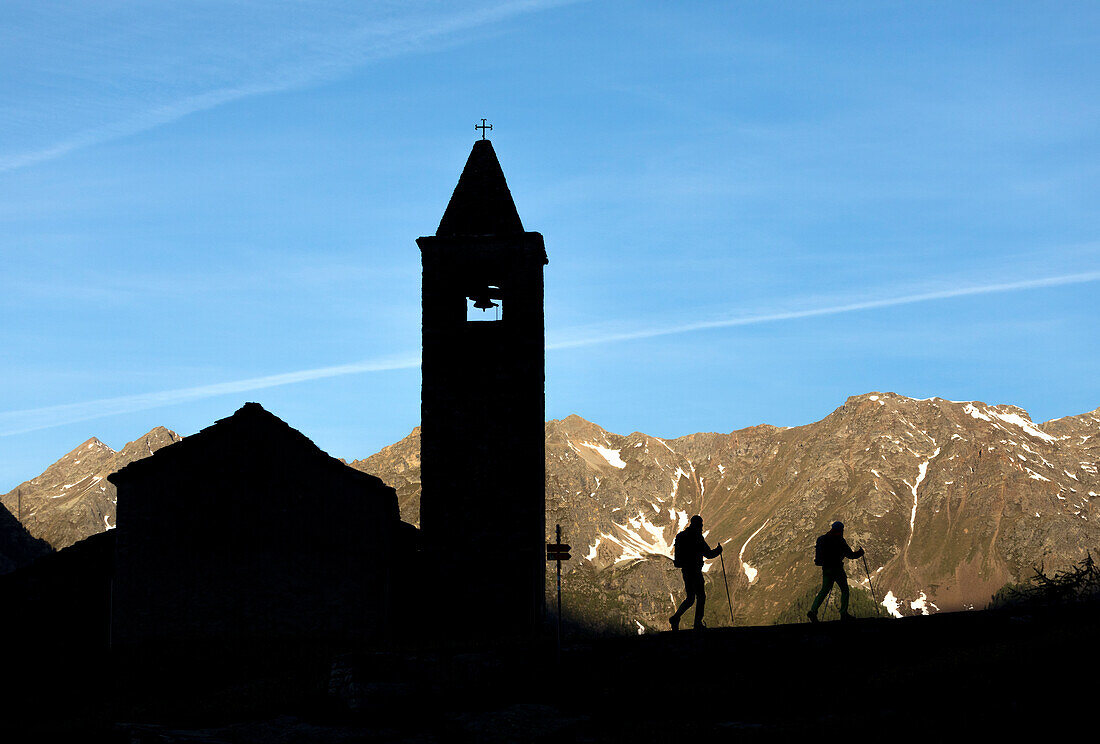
[[250, 438], [481, 203]]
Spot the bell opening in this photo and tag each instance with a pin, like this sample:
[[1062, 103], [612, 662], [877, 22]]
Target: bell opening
[[485, 305]]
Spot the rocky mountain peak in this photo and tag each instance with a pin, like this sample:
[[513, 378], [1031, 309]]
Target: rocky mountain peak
[[72, 498], [84, 449], [149, 443], [575, 427], [95, 443]]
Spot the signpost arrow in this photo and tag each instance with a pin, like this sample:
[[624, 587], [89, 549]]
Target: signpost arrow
[[557, 552]]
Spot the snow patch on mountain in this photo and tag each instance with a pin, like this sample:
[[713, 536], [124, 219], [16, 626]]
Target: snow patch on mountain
[[665, 445], [922, 603], [750, 572], [639, 538], [890, 602], [610, 455], [1017, 420], [997, 418], [591, 555], [676, 482], [921, 473]]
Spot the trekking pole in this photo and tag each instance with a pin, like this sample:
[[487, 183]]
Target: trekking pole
[[727, 583], [869, 586]]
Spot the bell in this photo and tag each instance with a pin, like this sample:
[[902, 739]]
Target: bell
[[482, 301]]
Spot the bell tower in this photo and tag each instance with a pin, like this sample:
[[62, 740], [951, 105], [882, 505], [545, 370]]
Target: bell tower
[[483, 476]]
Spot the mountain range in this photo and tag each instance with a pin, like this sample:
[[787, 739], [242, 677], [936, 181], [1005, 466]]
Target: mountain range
[[952, 500]]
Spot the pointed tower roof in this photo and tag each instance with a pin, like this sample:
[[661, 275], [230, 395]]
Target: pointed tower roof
[[481, 203]]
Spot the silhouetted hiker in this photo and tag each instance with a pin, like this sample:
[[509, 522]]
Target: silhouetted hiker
[[830, 552], [690, 549]]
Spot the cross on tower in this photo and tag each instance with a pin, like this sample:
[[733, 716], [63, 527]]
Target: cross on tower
[[483, 126]]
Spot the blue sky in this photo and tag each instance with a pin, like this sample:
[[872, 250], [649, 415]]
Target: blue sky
[[752, 210]]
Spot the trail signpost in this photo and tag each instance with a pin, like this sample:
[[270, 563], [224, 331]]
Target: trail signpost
[[558, 551]]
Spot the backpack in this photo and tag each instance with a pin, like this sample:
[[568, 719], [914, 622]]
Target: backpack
[[819, 559], [678, 555]]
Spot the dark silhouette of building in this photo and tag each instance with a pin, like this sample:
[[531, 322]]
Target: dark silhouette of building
[[482, 508], [247, 531], [18, 547]]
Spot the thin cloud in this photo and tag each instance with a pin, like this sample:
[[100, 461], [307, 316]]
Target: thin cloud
[[18, 422], [772, 317], [321, 60]]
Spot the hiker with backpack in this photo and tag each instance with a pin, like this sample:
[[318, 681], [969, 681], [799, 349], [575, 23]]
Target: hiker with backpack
[[690, 549], [829, 553]]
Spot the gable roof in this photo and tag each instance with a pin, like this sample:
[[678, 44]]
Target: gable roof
[[251, 433]]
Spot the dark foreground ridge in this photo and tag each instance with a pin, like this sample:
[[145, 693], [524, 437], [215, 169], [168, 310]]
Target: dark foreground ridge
[[950, 673]]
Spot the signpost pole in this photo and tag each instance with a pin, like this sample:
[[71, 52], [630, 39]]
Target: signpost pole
[[558, 552], [558, 541]]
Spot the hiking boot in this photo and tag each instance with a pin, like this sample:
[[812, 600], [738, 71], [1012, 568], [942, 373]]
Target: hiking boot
[[846, 616], [674, 622], [699, 625], [812, 615]]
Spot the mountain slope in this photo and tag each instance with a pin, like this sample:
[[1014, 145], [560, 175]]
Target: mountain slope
[[72, 498], [951, 499]]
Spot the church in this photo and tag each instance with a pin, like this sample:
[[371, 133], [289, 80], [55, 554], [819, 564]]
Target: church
[[247, 532]]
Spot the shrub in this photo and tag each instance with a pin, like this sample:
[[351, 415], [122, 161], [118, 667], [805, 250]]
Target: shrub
[[1077, 583]]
